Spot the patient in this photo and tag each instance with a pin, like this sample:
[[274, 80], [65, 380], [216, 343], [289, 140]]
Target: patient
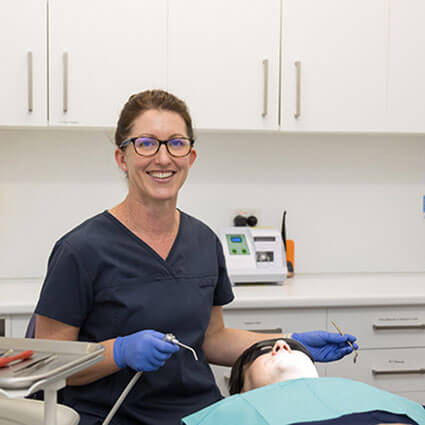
[[287, 391]]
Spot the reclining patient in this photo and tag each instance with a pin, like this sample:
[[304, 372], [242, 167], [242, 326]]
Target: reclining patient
[[279, 385]]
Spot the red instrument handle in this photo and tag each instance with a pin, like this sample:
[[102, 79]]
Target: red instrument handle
[[21, 356]]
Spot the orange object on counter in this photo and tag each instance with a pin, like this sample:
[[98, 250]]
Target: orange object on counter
[[290, 257]]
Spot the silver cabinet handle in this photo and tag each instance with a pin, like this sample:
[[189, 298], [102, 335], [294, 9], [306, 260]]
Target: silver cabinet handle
[[65, 82], [298, 88], [392, 327], [30, 82], [398, 371], [265, 87]]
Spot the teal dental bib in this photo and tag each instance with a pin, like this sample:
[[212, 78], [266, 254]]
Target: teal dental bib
[[303, 400]]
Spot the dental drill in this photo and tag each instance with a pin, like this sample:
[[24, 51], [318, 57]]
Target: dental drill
[[168, 338]]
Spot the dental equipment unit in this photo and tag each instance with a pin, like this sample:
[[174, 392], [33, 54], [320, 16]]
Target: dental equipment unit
[[30, 365], [169, 337]]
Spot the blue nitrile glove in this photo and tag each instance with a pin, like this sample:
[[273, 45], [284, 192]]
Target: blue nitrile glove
[[143, 351], [325, 346]]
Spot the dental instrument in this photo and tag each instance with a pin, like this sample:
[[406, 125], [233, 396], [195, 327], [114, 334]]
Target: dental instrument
[[356, 353], [169, 337]]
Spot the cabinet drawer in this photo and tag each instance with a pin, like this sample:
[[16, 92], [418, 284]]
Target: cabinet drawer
[[381, 327], [276, 320], [418, 396], [393, 370]]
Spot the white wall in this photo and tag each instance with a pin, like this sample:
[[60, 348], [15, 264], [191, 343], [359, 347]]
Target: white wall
[[353, 201]]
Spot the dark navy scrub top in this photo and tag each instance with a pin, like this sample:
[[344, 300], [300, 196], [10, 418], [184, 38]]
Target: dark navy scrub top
[[105, 280]]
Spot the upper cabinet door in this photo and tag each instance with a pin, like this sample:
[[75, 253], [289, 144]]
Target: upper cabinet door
[[406, 87], [334, 65], [23, 38], [101, 52], [223, 60]]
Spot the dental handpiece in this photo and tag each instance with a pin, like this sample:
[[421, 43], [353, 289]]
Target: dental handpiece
[[171, 338], [168, 338]]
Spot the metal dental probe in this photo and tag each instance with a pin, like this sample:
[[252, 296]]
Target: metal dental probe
[[356, 354], [168, 338]]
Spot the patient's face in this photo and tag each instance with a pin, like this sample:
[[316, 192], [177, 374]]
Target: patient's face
[[278, 365]]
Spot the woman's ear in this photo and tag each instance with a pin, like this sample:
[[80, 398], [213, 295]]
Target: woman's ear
[[193, 156], [120, 158]]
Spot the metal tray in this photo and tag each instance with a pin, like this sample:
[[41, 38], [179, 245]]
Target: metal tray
[[71, 354]]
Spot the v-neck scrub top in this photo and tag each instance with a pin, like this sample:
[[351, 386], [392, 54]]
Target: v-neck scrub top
[[105, 280]]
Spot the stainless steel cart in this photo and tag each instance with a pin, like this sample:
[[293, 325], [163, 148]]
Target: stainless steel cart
[[61, 359]]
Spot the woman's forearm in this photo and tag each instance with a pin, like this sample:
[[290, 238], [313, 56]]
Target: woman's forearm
[[227, 344], [47, 328], [99, 370]]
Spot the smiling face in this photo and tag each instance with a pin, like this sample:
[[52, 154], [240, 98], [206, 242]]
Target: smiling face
[[159, 177], [279, 364]]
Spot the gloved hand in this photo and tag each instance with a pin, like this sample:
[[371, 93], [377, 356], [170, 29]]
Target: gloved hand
[[143, 351], [326, 346]]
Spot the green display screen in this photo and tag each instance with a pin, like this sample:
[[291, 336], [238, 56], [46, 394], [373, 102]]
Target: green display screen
[[237, 244]]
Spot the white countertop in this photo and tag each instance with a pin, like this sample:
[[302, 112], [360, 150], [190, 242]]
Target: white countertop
[[19, 296], [334, 290]]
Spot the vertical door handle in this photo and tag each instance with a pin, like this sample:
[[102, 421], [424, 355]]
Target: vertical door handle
[[65, 82], [30, 81], [298, 88], [265, 86]]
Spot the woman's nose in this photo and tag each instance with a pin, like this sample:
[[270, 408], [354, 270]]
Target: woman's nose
[[162, 156], [280, 345]]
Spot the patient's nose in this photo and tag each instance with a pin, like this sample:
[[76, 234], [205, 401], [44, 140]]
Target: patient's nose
[[280, 344]]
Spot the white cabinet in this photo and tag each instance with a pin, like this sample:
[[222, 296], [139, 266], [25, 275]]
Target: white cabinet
[[223, 60], [391, 340], [100, 53], [392, 348], [406, 87], [23, 90], [297, 65], [339, 82]]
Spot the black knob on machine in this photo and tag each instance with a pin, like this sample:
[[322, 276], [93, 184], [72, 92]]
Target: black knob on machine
[[252, 221], [240, 221]]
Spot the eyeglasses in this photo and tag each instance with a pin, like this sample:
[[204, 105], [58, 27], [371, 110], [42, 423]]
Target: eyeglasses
[[149, 146]]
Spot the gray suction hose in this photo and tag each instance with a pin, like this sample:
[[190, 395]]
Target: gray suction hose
[[169, 338]]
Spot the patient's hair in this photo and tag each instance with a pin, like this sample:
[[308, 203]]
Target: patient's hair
[[250, 354]]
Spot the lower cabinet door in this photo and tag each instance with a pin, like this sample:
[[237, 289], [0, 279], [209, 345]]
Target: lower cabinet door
[[418, 396], [18, 325], [395, 370]]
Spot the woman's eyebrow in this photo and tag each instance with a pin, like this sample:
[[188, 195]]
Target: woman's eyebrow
[[156, 137]]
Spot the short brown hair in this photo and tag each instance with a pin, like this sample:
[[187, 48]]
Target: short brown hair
[[145, 101]]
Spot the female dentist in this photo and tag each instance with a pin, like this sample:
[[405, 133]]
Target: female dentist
[[141, 269]]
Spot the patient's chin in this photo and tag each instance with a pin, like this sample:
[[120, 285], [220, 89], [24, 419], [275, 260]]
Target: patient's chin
[[294, 369]]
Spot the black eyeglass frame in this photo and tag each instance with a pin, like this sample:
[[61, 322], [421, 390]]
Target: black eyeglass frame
[[132, 140]]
